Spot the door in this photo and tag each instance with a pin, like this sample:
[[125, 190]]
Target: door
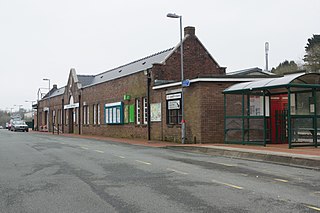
[[279, 105]]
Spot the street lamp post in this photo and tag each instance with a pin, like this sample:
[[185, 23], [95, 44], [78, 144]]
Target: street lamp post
[[183, 123], [47, 79]]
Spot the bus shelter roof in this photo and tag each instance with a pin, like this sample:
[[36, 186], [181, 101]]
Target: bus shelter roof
[[292, 80]]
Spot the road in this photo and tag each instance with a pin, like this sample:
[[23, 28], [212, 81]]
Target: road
[[46, 173]]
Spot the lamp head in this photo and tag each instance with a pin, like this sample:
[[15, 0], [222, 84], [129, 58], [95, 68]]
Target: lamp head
[[172, 15]]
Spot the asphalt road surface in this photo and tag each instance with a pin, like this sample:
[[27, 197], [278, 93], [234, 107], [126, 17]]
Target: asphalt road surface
[[46, 173]]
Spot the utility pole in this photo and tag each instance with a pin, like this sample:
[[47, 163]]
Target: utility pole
[[266, 49]]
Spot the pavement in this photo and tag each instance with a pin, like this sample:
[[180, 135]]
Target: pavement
[[306, 157]]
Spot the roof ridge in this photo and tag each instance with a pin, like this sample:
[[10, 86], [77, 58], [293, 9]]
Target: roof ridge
[[85, 75]]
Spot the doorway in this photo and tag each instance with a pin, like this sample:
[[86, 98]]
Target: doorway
[[70, 117], [279, 121]]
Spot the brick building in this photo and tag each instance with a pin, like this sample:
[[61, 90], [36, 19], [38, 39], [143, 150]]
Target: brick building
[[142, 99]]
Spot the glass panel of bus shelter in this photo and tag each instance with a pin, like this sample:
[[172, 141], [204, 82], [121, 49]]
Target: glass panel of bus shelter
[[234, 104], [255, 132], [318, 103], [304, 103], [234, 129], [302, 130]]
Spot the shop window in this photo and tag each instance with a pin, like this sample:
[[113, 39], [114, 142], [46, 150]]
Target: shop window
[[138, 108], [114, 113], [145, 111]]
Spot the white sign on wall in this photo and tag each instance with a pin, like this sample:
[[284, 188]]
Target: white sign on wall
[[155, 110], [173, 96], [174, 104]]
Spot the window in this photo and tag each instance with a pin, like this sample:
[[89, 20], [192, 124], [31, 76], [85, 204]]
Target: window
[[138, 115], [77, 115], [94, 115], [85, 115], [174, 116], [98, 106], [174, 111], [66, 116], [88, 115], [145, 111], [114, 113]]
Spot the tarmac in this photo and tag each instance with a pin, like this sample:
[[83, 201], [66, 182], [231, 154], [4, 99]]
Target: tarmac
[[305, 157]]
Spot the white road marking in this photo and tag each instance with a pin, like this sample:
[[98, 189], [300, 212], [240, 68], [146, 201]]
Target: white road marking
[[143, 162], [99, 151], [177, 171], [86, 148], [120, 156], [227, 184]]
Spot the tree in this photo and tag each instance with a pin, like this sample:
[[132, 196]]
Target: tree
[[4, 118], [312, 57], [285, 68]]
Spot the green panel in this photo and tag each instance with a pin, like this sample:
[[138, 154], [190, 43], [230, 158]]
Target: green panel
[[131, 113]]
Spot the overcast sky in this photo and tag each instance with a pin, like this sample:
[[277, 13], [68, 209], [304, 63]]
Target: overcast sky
[[45, 38]]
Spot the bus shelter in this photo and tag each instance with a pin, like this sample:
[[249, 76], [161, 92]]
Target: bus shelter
[[283, 110]]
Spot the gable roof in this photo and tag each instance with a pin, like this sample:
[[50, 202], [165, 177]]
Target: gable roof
[[54, 92], [127, 69]]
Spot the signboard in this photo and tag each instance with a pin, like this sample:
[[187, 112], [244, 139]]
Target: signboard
[[174, 104], [70, 106], [186, 83], [173, 96]]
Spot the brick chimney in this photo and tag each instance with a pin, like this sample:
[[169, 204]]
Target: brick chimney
[[54, 86], [189, 31]]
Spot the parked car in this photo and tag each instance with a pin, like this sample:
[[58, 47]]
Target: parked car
[[13, 118], [1, 127], [19, 126]]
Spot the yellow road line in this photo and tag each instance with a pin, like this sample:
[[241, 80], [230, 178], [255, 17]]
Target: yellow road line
[[227, 184], [99, 151], [143, 162], [177, 171], [314, 208], [281, 180]]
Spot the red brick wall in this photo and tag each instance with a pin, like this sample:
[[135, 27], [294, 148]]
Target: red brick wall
[[113, 91], [196, 61]]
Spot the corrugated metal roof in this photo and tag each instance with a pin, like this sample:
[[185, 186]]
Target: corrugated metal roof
[[128, 69], [270, 82]]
